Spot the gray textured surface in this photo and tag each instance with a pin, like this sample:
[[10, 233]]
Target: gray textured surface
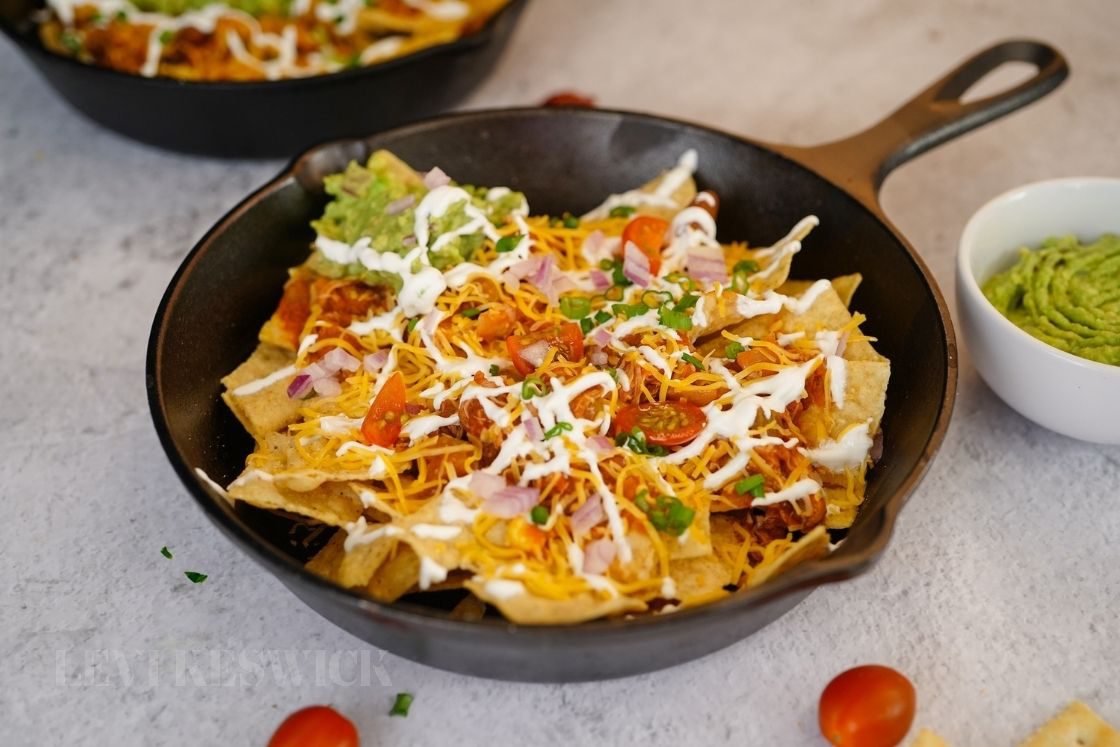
[[997, 596]]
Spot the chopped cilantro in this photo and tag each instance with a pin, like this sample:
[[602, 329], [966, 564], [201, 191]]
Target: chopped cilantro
[[507, 244], [575, 307], [494, 370], [195, 576], [539, 515], [752, 485], [165, 552], [401, 705], [689, 358], [622, 211]]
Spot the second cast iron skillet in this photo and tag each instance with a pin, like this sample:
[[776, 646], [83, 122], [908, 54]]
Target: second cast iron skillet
[[567, 160]]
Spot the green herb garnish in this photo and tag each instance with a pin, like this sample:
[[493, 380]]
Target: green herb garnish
[[165, 552], [622, 211], [677, 320], [586, 325], [575, 307], [195, 577], [471, 313], [71, 42], [401, 705], [494, 370], [539, 515], [635, 440], [602, 317], [689, 358], [667, 514], [752, 485], [507, 244], [533, 386]]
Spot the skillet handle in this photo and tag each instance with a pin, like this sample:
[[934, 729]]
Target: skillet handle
[[859, 163]]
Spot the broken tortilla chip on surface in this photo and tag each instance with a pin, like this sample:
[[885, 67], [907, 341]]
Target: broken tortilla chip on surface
[[1076, 726]]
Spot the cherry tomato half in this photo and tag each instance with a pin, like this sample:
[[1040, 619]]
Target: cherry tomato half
[[567, 338], [648, 234], [569, 98], [316, 726], [663, 423], [383, 423], [868, 706]]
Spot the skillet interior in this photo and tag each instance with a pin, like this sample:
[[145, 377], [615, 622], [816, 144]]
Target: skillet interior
[[563, 160]]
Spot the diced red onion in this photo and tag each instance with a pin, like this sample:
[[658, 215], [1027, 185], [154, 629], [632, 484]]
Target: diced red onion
[[339, 360], [635, 265], [544, 269], [602, 337], [511, 501], [535, 353], [300, 386], [484, 484], [598, 358], [525, 267], [600, 443], [705, 262], [327, 387], [316, 371], [374, 362], [600, 280], [399, 205], [436, 178], [532, 428], [588, 515], [598, 555]]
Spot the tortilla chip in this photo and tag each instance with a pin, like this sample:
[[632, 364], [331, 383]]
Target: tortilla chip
[[695, 542], [396, 576], [927, 738], [471, 609], [326, 561], [331, 503], [700, 577], [1076, 726], [270, 409], [812, 546], [527, 609]]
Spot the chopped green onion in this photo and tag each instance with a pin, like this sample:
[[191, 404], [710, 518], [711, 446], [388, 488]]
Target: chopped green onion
[[629, 310], [752, 485], [165, 552], [677, 320], [687, 302], [586, 325], [507, 244], [745, 265], [741, 273], [401, 705], [494, 370], [607, 264], [602, 317], [622, 211], [667, 514], [686, 283], [613, 372], [471, 313], [533, 386], [120, 16], [570, 221], [575, 307], [635, 440], [655, 299], [733, 349], [689, 358], [195, 577], [614, 293], [539, 515], [166, 36], [412, 323], [557, 429]]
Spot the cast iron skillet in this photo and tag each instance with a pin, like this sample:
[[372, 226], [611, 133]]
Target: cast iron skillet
[[567, 159], [266, 118]]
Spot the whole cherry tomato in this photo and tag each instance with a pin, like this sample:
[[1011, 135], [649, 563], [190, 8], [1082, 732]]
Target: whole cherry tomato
[[868, 706], [316, 726]]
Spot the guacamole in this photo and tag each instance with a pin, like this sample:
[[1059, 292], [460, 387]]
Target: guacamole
[[378, 201], [1066, 294], [178, 7]]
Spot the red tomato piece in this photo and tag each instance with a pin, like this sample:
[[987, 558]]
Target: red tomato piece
[[569, 98], [316, 726], [648, 234], [567, 338], [663, 423], [868, 706], [383, 422]]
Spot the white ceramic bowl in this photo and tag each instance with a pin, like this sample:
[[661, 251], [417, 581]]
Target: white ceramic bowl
[[1067, 394]]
